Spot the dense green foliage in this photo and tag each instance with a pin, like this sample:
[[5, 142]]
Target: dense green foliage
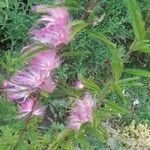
[[108, 57]]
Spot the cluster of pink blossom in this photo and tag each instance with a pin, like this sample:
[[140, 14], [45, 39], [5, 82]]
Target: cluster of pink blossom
[[81, 112], [56, 26], [37, 75]]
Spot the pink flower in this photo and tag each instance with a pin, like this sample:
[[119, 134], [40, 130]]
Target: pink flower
[[81, 112], [56, 16], [56, 30], [5, 84], [48, 85], [45, 61], [27, 81], [29, 105], [77, 84]]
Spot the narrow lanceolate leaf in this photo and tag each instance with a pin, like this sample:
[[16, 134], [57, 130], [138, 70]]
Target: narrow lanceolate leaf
[[143, 46], [138, 72], [73, 4], [117, 66], [60, 138], [131, 84], [127, 80], [31, 50], [99, 133], [115, 107], [89, 83], [104, 39], [147, 34], [2, 4], [136, 17], [77, 26], [118, 89], [116, 60]]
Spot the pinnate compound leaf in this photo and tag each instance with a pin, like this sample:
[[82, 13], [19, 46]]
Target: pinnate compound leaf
[[143, 46], [138, 72], [136, 17], [116, 60], [77, 26]]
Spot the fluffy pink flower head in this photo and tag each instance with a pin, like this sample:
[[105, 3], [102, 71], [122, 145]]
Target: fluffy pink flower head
[[56, 15], [81, 112], [56, 29], [27, 81], [77, 84], [5, 84], [29, 105], [45, 61]]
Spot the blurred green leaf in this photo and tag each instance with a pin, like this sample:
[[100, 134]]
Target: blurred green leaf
[[89, 83], [103, 38], [138, 72], [65, 90], [136, 17], [118, 89], [98, 133], [83, 141], [77, 26], [31, 50], [115, 107], [136, 84], [73, 4], [2, 4], [147, 36], [117, 66], [116, 60], [59, 138], [143, 46], [127, 80]]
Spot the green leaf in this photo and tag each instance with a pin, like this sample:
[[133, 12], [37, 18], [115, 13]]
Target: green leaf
[[127, 80], [77, 26], [117, 66], [132, 84], [30, 51], [143, 46], [104, 39], [89, 83], [116, 60], [115, 107], [136, 17], [118, 89], [138, 72], [2, 4], [84, 143], [76, 53], [98, 133], [73, 4], [65, 90], [68, 145], [44, 94], [147, 36], [106, 90], [60, 138]]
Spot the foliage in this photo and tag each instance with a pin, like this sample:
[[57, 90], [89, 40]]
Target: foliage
[[134, 136], [102, 42]]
